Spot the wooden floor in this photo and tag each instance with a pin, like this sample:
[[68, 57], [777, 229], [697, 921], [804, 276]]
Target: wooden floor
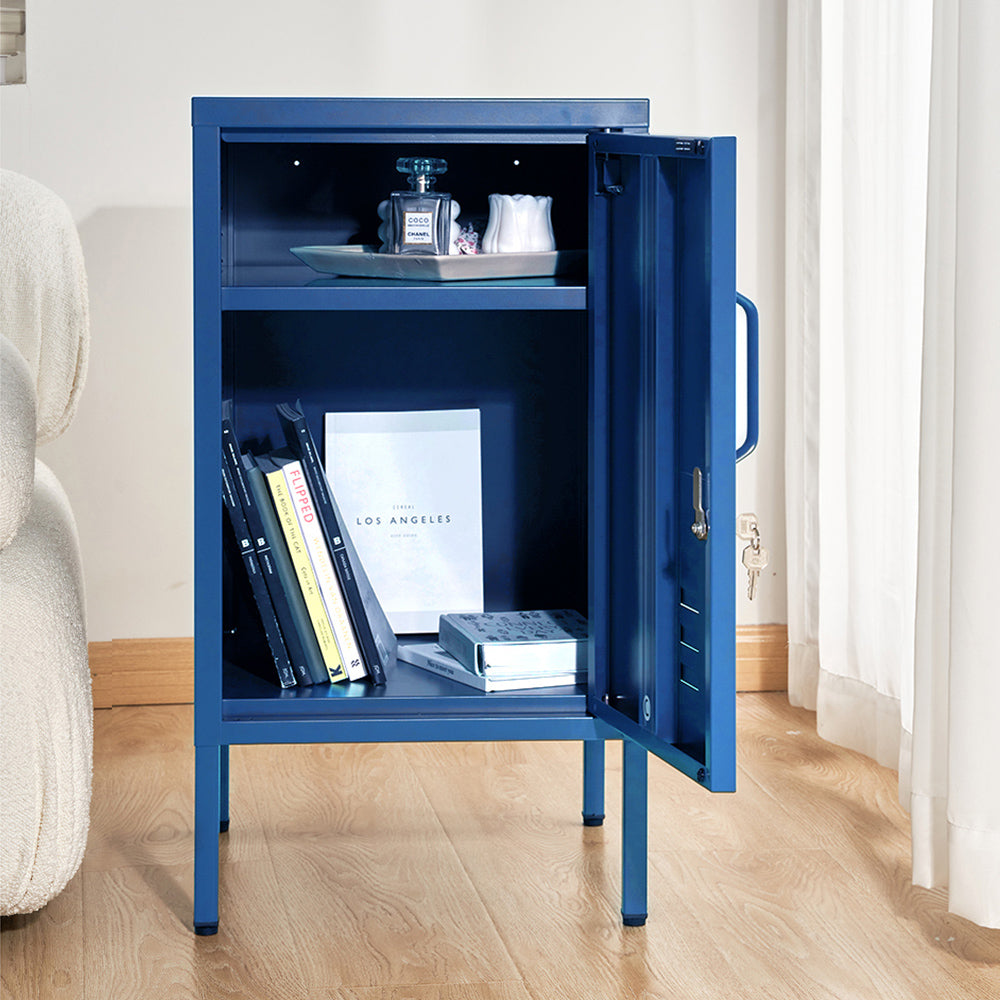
[[462, 872]]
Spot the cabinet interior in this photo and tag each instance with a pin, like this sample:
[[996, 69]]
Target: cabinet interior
[[527, 374], [283, 194]]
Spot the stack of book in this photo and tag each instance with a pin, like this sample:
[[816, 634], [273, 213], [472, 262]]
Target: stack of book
[[506, 650], [322, 620]]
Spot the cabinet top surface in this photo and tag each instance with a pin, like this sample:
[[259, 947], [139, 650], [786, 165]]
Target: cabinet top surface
[[365, 112]]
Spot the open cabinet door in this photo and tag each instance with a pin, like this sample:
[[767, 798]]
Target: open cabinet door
[[663, 397]]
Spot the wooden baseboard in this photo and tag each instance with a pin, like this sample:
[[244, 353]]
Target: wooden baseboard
[[161, 671], [142, 672], [762, 658]]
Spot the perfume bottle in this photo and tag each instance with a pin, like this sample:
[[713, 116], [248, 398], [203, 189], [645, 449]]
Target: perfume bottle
[[420, 219]]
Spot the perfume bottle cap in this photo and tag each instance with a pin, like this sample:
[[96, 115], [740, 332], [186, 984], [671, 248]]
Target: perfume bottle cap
[[422, 171]]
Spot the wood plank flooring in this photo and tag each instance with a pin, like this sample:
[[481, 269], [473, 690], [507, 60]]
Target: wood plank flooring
[[462, 872]]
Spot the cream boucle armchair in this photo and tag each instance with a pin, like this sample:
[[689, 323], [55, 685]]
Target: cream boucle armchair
[[46, 710]]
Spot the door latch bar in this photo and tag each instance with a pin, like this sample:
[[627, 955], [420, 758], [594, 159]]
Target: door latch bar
[[700, 527]]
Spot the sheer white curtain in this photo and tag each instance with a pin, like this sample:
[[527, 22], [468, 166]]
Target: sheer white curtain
[[893, 409], [949, 769]]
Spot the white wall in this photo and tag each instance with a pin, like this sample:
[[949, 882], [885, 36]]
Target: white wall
[[104, 121]]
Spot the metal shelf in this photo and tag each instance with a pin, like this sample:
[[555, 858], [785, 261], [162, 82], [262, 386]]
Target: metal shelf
[[413, 705], [292, 287]]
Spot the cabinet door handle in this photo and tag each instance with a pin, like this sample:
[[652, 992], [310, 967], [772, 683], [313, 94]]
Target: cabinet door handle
[[753, 376]]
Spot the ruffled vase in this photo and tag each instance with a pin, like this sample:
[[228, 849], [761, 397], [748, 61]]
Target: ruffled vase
[[519, 223]]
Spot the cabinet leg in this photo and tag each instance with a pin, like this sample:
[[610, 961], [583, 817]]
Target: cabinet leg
[[593, 782], [634, 834], [207, 801], [223, 789]]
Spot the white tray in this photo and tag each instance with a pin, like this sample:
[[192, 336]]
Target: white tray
[[366, 262]]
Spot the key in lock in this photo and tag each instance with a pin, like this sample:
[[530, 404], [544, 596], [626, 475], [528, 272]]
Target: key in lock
[[755, 556]]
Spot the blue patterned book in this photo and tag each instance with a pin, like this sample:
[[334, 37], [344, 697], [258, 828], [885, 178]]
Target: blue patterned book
[[508, 643]]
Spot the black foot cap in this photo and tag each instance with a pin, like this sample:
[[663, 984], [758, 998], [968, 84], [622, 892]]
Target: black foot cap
[[634, 920], [224, 826], [593, 820], [206, 930]]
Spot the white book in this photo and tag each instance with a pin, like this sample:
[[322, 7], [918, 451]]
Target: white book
[[409, 485], [326, 574], [433, 658]]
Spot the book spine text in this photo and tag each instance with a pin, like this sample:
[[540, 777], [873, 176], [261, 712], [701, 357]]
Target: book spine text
[[326, 576], [306, 575]]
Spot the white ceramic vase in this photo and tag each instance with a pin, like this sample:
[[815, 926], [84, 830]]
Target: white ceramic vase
[[519, 223]]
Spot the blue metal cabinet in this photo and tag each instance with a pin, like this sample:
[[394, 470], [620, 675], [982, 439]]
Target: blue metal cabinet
[[607, 408]]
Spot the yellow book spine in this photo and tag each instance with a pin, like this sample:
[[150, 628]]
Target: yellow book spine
[[307, 578], [326, 575]]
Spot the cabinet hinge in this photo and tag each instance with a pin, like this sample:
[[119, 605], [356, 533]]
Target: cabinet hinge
[[609, 172]]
